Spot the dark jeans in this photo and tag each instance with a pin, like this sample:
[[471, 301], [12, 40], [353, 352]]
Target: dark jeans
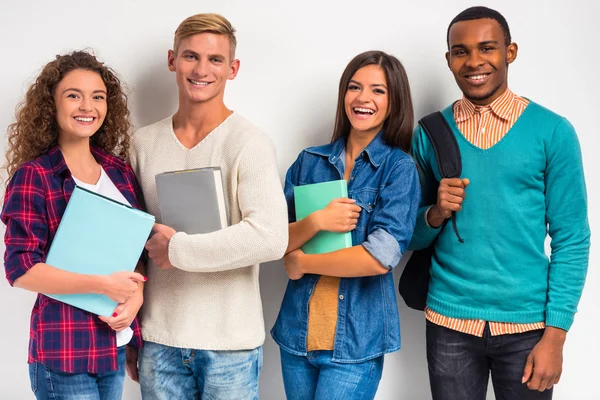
[[460, 364]]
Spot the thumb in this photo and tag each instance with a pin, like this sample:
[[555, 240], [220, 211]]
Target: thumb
[[465, 182], [134, 276], [528, 370]]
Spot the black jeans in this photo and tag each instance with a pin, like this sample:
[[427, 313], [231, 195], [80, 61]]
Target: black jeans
[[460, 364]]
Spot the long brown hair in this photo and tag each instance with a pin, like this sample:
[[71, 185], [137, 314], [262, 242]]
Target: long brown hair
[[398, 126], [36, 130]]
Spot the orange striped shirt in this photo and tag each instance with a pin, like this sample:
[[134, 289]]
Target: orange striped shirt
[[484, 126]]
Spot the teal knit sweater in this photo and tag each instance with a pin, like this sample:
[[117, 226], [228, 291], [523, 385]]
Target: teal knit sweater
[[528, 185]]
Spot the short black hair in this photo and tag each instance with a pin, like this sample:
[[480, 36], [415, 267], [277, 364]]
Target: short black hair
[[480, 12]]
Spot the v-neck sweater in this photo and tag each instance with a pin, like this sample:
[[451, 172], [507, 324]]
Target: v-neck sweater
[[528, 185]]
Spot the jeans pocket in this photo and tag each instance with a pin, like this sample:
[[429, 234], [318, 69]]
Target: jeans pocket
[[33, 371]]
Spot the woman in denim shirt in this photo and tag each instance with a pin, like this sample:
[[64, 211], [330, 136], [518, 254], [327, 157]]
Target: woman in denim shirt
[[339, 314]]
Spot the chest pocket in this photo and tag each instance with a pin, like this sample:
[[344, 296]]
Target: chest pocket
[[366, 199]]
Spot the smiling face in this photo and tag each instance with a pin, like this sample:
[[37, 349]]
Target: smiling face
[[479, 58], [203, 66], [80, 100], [366, 101]]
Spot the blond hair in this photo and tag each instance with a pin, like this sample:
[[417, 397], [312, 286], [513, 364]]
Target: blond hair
[[206, 23]]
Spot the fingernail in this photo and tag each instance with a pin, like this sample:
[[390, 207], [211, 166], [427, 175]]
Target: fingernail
[[115, 314], [523, 380], [145, 278]]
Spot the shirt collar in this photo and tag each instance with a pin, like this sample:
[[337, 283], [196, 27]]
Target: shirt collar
[[59, 166], [502, 107], [375, 152]]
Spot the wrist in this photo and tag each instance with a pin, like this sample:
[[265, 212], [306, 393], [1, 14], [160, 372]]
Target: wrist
[[99, 284], [555, 335], [434, 217], [314, 220]]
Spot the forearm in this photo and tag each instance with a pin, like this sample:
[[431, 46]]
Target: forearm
[[346, 263], [44, 278], [246, 243], [424, 234], [301, 232]]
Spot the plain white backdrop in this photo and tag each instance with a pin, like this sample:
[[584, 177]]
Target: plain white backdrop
[[292, 56]]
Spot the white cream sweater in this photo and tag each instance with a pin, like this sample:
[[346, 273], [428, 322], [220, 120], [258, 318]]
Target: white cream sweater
[[211, 299]]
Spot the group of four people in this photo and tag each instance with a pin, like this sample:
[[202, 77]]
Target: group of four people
[[495, 303]]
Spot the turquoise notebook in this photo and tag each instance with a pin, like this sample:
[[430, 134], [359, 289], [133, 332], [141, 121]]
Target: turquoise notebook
[[310, 198], [97, 236]]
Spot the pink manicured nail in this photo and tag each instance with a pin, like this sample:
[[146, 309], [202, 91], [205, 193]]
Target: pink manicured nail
[[115, 314]]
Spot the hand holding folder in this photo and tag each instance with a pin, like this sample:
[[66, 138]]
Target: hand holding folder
[[314, 197]]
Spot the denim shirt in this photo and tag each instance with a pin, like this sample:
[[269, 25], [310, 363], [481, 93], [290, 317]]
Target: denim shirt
[[385, 184]]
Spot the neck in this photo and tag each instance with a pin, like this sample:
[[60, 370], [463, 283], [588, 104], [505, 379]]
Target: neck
[[194, 121], [358, 141], [79, 159]]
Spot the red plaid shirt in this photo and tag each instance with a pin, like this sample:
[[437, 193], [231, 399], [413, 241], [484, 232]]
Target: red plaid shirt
[[62, 337]]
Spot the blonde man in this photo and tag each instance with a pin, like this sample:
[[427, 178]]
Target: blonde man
[[202, 324]]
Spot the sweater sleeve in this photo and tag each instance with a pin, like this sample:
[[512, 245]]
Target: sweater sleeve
[[262, 233], [566, 215], [424, 235]]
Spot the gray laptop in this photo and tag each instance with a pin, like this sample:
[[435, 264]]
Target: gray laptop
[[192, 201]]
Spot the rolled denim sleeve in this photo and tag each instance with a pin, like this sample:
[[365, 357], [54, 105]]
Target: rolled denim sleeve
[[24, 215], [395, 214]]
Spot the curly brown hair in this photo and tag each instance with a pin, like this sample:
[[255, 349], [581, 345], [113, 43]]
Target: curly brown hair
[[36, 130]]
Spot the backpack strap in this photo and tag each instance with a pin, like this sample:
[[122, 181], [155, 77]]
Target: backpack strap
[[447, 153]]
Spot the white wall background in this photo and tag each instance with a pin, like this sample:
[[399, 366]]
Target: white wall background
[[292, 56]]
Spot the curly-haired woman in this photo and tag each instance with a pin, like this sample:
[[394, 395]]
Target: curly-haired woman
[[71, 129]]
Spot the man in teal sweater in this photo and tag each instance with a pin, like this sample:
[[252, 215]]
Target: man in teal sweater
[[496, 302]]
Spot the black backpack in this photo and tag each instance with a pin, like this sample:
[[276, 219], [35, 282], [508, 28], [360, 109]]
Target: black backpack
[[414, 281]]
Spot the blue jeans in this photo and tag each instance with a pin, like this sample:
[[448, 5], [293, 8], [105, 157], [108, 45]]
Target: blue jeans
[[316, 377], [168, 373], [47, 384], [460, 364]]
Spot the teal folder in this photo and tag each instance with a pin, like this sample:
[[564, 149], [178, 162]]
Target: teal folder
[[97, 236], [310, 198]]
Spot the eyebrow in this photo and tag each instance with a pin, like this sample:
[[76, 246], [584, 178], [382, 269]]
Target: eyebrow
[[462, 46], [192, 52], [374, 85], [80, 91]]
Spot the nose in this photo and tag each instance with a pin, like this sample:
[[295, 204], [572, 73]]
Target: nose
[[362, 96], [201, 68], [86, 104], [474, 60]]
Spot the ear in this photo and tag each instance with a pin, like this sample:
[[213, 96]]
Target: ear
[[448, 59], [233, 69], [171, 60], [511, 53]]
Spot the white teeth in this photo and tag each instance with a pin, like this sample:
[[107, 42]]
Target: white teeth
[[477, 77], [364, 110], [198, 83], [82, 119]]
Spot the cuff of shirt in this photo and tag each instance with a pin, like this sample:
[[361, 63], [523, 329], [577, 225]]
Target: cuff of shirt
[[384, 247], [18, 266], [559, 319]]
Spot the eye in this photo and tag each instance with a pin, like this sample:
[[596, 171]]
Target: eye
[[459, 53], [216, 60], [379, 91], [72, 96], [99, 97], [189, 57], [353, 87], [487, 49]]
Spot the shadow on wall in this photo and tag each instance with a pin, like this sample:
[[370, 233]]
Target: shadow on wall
[[153, 94]]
